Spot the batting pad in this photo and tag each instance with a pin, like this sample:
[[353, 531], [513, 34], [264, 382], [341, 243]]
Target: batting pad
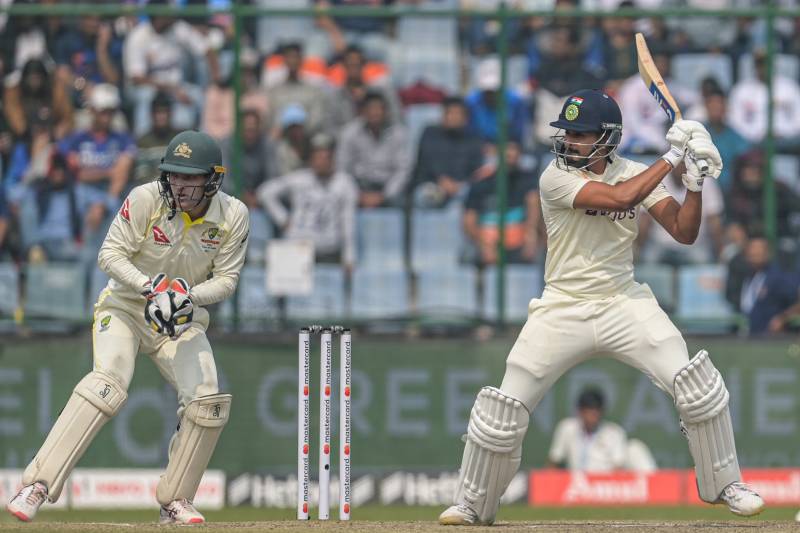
[[197, 437], [94, 401], [492, 453], [702, 401]]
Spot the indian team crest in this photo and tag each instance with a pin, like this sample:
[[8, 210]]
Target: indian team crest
[[571, 113], [183, 150], [104, 323]]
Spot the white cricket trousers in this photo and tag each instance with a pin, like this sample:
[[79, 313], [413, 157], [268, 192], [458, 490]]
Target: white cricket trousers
[[562, 332], [186, 363]]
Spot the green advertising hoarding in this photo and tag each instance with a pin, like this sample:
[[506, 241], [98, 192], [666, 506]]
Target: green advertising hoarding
[[411, 400]]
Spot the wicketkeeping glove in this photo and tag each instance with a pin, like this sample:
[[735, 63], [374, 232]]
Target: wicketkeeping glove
[[158, 309], [182, 307]]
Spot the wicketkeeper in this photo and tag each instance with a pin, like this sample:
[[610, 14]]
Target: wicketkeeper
[[176, 246]]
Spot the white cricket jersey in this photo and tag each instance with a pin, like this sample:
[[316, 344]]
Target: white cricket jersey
[[589, 251], [208, 252], [604, 450]]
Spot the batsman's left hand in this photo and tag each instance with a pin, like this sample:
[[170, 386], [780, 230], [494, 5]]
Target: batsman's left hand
[[703, 152]]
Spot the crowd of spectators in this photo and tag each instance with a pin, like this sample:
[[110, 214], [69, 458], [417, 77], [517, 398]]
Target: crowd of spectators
[[89, 104]]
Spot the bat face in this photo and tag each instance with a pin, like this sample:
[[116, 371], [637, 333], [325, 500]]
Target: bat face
[[657, 90], [653, 80]]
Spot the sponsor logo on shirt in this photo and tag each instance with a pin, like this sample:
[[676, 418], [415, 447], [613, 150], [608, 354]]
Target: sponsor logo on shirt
[[125, 210], [159, 237], [616, 216]]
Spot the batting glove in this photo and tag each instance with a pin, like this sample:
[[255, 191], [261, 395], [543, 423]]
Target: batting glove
[[679, 135], [183, 309], [703, 152], [693, 178], [158, 309]]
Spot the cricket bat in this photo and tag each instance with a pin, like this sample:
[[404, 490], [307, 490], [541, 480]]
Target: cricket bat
[[655, 84]]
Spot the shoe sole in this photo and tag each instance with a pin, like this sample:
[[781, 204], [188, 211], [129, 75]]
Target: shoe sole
[[19, 515], [454, 521], [754, 513]]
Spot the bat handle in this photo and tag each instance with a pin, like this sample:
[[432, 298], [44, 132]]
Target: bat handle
[[703, 166]]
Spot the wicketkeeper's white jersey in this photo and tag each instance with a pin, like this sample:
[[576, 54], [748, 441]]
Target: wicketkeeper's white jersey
[[207, 252], [589, 251]]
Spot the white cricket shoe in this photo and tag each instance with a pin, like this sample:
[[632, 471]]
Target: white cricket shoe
[[27, 501], [797, 517], [459, 515], [741, 499], [180, 512]]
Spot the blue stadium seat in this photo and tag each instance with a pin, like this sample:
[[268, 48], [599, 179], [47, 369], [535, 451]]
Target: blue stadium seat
[[9, 288], [690, 69], [327, 300], [448, 292], [436, 239], [701, 296], [523, 282], [661, 279], [254, 302], [380, 238], [517, 70], [380, 294], [785, 64], [787, 170], [56, 290]]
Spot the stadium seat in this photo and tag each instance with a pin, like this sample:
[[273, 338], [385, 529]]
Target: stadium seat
[[785, 64], [701, 297], [328, 299], [523, 282], [380, 238], [661, 280], [254, 302], [450, 292], [787, 170], [9, 288], [690, 69], [380, 294], [436, 239], [273, 31], [56, 290]]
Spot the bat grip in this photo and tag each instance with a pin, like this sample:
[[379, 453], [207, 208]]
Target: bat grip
[[703, 166]]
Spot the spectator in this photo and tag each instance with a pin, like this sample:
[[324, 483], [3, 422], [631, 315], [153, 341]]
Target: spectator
[[55, 212], [765, 292], [588, 443], [259, 161], [29, 37], [253, 96], [30, 158], [296, 91], [100, 157], [292, 148], [38, 96], [369, 33], [322, 205], [375, 152], [155, 54], [748, 107], [356, 83], [731, 145], [5, 223], [153, 144], [448, 156], [522, 219], [658, 246], [88, 54], [483, 103]]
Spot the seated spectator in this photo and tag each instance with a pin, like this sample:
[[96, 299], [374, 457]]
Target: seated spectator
[[294, 90], [153, 144], [100, 157], [483, 102], [55, 214], [5, 223], [730, 143], [154, 56], [369, 33], [322, 205], [37, 96], [619, 49], [447, 157], [765, 291], [744, 204], [375, 152], [658, 246], [349, 96], [30, 158], [588, 443], [523, 213], [748, 107], [292, 146], [253, 95], [259, 161]]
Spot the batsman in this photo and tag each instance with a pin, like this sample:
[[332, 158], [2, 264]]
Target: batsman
[[176, 246], [591, 307]]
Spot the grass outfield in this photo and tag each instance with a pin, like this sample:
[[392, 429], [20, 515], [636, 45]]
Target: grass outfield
[[397, 519]]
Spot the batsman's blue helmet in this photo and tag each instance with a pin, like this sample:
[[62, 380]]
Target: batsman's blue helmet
[[590, 110]]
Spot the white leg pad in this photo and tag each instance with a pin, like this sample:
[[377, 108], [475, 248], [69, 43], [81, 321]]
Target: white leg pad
[[191, 449], [493, 451], [702, 401], [94, 401]]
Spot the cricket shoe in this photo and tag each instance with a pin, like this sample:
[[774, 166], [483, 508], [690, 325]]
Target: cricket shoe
[[741, 499], [459, 515], [180, 512], [27, 501]]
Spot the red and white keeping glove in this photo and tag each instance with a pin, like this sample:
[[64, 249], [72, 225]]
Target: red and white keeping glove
[[158, 309], [182, 307]]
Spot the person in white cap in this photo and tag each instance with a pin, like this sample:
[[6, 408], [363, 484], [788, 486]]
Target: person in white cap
[[484, 101]]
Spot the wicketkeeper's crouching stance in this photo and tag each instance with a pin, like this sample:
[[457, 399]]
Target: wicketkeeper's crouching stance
[[592, 307], [201, 250]]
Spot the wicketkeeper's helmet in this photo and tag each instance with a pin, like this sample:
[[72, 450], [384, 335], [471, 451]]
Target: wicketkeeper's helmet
[[195, 153]]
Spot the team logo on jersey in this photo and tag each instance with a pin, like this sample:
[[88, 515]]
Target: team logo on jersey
[[104, 323], [159, 237], [572, 112], [125, 210], [211, 238], [183, 150]]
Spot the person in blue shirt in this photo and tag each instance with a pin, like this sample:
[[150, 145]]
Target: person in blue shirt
[[483, 105], [731, 145]]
